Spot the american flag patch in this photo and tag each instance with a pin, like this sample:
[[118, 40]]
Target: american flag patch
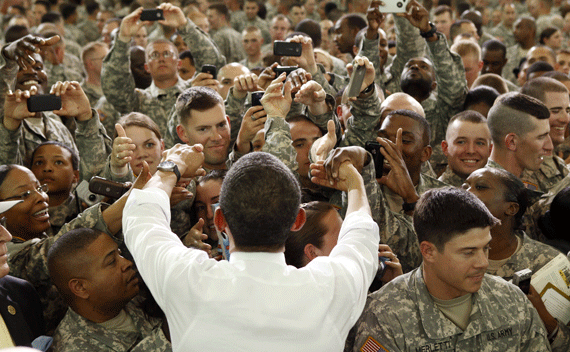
[[372, 345]]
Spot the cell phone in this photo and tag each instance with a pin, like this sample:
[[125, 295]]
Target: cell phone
[[256, 98], [44, 102], [211, 69], [522, 280], [282, 48], [374, 149], [356, 79], [393, 6], [152, 15], [108, 188], [87, 196], [287, 69]]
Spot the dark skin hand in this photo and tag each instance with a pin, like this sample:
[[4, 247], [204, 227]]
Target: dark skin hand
[[374, 18], [21, 50]]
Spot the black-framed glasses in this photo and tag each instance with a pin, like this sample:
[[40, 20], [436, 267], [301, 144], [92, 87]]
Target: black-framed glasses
[[23, 196], [3, 221]]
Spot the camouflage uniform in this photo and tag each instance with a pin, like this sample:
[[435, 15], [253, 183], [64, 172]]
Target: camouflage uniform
[[119, 86], [73, 32], [552, 170], [107, 114], [94, 93], [70, 70], [230, 43], [450, 77], [237, 20], [504, 34], [402, 316], [335, 84], [62, 214], [365, 116], [77, 334], [89, 30], [451, 178], [514, 55], [28, 261], [544, 21], [263, 26], [532, 192]]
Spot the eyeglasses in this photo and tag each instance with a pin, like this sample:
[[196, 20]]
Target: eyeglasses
[[155, 55], [97, 58], [3, 221], [23, 196]]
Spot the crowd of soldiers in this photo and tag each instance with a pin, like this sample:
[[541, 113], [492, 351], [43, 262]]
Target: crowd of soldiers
[[457, 140]]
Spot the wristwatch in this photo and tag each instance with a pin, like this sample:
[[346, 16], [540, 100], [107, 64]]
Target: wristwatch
[[429, 33], [169, 166]]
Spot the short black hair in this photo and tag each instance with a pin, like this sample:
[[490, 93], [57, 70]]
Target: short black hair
[[539, 66], [444, 213], [260, 199], [481, 94], [186, 54], [494, 45], [15, 32], [74, 156], [5, 170], [354, 21], [67, 10], [426, 130], [312, 29], [51, 17], [222, 9]]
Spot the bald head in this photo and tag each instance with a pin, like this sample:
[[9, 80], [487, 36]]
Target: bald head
[[398, 101], [227, 74]]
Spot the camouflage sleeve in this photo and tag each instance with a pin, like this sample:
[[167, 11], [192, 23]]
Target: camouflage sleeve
[[235, 109], [10, 145], [108, 175], [365, 116], [8, 72], [94, 146], [561, 342], [378, 325], [534, 338], [278, 142], [370, 50], [409, 44], [203, 48], [451, 82], [117, 81], [320, 78], [323, 119]]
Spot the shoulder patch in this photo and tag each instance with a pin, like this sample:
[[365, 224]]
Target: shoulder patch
[[372, 345]]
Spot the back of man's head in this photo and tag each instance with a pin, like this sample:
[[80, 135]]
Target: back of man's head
[[312, 29], [260, 199], [196, 98], [444, 213], [65, 260], [514, 113], [538, 87]]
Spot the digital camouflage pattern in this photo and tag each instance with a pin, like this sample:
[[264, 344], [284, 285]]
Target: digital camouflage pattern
[[451, 178], [77, 334], [230, 44], [402, 316], [552, 170]]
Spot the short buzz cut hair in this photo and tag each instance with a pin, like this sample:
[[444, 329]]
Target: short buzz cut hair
[[354, 21], [466, 116], [444, 213], [196, 98], [467, 47], [221, 9], [443, 9], [426, 130], [64, 259], [514, 113], [538, 87], [260, 200], [150, 46], [495, 45]]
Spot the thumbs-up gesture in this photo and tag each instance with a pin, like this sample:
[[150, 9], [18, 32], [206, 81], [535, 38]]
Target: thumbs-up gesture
[[122, 152]]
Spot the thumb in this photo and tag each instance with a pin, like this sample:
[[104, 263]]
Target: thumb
[[120, 130], [52, 40], [143, 177], [331, 129]]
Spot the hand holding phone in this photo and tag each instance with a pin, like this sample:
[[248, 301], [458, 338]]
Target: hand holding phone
[[374, 149], [44, 102], [356, 79], [152, 15], [211, 69], [282, 48]]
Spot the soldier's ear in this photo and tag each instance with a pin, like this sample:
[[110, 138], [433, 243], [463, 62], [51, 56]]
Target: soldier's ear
[[146, 68], [429, 251], [426, 153], [78, 288], [182, 134], [511, 141], [310, 252]]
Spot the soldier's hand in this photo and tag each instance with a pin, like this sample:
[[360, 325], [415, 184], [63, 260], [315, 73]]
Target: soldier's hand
[[130, 25], [307, 58], [322, 146], [74, 102], [252, 122], [266, 76], [375, 18], [22, 49], [16, 107], [204, 79], [189, 159], [345, 180], [298, 78], [369, 76], [398, 179], [173, 15], [245, 83], [417, 15], [393, 266], [277, 98], [195, 238], [122, 152], [313, 95], [179, 194]]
